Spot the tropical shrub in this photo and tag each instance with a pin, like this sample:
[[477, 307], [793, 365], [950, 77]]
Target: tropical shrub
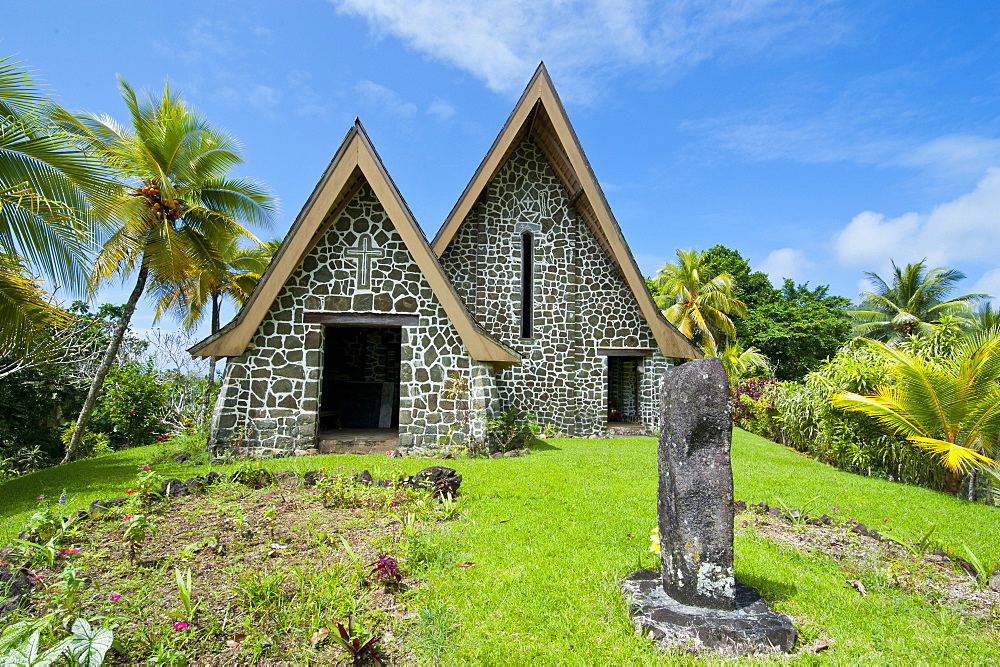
[[752, 407], [807, 421], [948, 407], [91, 445], [130, 408]]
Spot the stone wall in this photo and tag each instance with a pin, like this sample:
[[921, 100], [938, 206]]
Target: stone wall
[[270, 395], [581, 302]]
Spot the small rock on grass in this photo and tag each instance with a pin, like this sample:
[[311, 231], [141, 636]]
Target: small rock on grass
[[15, 585]]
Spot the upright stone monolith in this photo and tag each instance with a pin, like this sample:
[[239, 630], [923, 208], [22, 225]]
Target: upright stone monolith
[[696, 523], [695, 600]]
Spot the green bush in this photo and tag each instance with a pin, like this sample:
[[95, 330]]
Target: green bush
[[130, 410], [92, 444]]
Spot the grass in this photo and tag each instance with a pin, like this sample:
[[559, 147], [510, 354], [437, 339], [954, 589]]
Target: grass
[[529, 572]]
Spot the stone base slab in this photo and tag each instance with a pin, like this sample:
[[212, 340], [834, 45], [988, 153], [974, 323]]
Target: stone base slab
[[752, 628]]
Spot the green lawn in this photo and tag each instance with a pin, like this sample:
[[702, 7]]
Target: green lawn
[[551, 534]]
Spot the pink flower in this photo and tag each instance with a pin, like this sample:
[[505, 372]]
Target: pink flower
[[180, 625], [884, 520], [115, 598], [146, 467], [127, 517], [270, 495], [40, 498], [69, 551]]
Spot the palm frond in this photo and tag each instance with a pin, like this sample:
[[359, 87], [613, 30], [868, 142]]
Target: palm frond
[[955, 457]]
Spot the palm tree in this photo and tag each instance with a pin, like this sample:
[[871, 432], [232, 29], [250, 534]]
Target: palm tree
[[697, 303], [908, 307], [232, 273], [44, 185], [174, 201], [987, 317], [744, 363], [949, 407]]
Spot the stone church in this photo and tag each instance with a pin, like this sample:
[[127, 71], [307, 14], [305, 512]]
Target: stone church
[[527, 298]]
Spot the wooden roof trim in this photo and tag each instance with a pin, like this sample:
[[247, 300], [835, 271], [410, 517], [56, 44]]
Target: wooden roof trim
[[541, 93], [355, 159]]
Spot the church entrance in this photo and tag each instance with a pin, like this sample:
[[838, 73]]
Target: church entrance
[[360, 378], [623, 389]]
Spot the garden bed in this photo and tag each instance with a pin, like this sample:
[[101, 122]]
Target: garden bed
[[272, 572]]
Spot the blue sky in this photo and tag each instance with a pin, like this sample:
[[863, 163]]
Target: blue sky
[[821, 139]]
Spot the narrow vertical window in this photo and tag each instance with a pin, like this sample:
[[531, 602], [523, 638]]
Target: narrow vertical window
[[527, 284]]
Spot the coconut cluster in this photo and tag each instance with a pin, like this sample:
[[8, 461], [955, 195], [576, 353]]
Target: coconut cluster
[[165, 208]]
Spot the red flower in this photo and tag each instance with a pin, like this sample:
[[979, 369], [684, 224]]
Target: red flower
[[130, 491]]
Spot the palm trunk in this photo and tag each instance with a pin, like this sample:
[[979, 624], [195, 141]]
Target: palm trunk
[[973, 480], [212, 360], [953, 482], [109, 358]]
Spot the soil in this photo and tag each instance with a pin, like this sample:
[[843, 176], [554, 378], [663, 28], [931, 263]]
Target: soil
[[231, 538]]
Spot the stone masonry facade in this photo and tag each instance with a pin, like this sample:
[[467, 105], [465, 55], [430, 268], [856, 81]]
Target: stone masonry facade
[[581, 303], [271, 394]]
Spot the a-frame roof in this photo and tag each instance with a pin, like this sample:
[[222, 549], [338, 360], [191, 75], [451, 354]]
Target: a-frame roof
[[540, 114], [355, 163]]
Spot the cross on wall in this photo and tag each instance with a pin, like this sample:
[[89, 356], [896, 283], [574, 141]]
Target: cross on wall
[[364, 253]]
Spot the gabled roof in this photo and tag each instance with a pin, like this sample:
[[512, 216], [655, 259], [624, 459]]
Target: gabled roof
[[540, 115], [355, 163]]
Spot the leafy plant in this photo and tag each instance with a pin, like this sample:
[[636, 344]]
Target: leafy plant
[[982, 576], [183, 580], [355, 561], [449, 507], [511, 429], [149, 485], [950, 408], [137, 530], [86, 647], [69, 584], [359, 647], [385, 568], [800, 516]]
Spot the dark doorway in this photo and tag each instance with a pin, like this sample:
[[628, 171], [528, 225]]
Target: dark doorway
[[361, 377], [623, 389]]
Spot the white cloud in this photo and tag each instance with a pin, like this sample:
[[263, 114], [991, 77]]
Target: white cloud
[[785, 263], [989, 283], [441, 109], [964, 229], [502, 41], [384, 99]]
